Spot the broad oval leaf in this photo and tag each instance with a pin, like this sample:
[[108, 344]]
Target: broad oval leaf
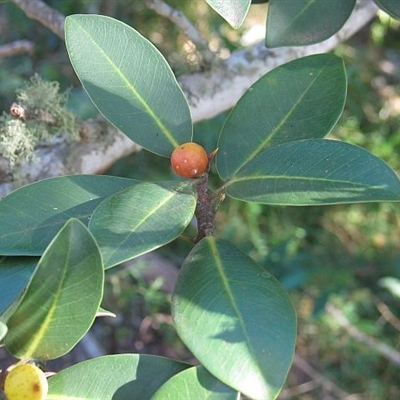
[[302, 99], [236, 318], [195, 383], [32, 215], [392, 7], [62, 298], [114, 377], [129, 81], [304, 22], [141, 218], [233, 11], [315, 171], [15, 273]]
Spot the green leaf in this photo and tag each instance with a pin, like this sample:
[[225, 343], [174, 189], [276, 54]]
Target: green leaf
[[62, 298], [392, 7], [195, 383], [114, 377], [141, 218], [315, 171], [304, 22], [237, 319], [15, 273], [299, 100], [129, 81], [32, 215], [233, 11]]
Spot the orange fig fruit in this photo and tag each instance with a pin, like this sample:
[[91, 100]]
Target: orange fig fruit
[[189, 160]]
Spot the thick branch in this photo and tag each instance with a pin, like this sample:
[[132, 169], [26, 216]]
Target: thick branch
[[46, 15], [209, 93], [101, 145]]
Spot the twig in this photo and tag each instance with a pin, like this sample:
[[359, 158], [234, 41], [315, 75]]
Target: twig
[[207, 204], [318, 380], [388, 315], [386, 351], [205, 212], [47, 16], [17, 47], [177, 17]]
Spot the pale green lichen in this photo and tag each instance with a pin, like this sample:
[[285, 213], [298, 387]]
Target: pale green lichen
[[16, 141], [48, 118]]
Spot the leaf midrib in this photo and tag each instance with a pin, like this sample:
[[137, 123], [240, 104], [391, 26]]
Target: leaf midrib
[[125, 81], [270, 137], [231, 298], [305, 178]]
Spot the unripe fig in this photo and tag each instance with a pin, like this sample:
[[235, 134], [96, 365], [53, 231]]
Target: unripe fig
[[26, 381], [189, 160]]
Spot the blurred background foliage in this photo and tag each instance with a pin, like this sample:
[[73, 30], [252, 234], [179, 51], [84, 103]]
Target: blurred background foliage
[[342, 258]]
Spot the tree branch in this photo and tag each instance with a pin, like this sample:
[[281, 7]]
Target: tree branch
[[388, 315], [318, 380], [390, 353], [101, 145], [208, 92], [17, 47], [177, 17], [47, 16]]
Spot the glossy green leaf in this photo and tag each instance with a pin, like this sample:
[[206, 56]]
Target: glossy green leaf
[[15, 273], [114, 377], [392, 7], [233, 11], [304, 22], [236, 318], [32, 215], [195, 383], [315, 171], [3, 330], [129, 81], [299, 100], [141, 218], [62, 298]]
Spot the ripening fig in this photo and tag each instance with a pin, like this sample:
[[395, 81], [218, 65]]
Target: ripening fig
[[189, 160], [26, 381]]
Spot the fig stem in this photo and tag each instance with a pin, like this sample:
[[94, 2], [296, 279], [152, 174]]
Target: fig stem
[[206, 207]]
